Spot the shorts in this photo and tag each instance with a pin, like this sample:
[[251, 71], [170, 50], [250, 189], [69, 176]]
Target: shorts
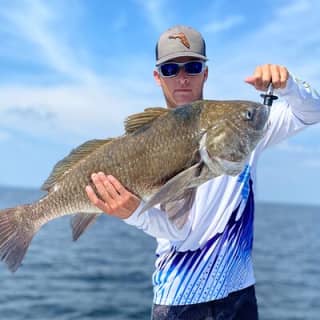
[[239, 305]]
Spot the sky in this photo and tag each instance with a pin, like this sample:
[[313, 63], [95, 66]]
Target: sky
[[72, 71]]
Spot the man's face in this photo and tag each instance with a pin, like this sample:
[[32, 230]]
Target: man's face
[[182, 88]]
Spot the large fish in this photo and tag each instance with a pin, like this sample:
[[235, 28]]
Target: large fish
[[162, 158]]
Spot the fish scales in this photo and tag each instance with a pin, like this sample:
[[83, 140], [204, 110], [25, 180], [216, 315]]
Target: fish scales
[[147, 169]]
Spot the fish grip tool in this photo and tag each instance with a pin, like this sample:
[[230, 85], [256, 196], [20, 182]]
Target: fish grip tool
[[269, 97]]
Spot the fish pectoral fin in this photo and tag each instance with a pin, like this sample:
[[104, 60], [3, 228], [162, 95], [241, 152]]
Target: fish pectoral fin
[[213, 165], [138, 120], [80, 222], [66, 164], [218, 166], [174, 188], [178, 210]]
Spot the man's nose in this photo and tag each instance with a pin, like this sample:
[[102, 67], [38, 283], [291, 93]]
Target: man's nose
[[182, 77]]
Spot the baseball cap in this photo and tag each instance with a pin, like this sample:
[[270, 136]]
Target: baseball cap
[[180, 41]]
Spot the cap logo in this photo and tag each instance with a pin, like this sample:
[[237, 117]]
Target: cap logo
[[182, 37]]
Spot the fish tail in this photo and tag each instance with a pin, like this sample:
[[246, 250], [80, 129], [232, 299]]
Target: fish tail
[[16, 232]]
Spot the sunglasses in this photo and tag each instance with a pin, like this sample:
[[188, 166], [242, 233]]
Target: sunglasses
[[171, 69]]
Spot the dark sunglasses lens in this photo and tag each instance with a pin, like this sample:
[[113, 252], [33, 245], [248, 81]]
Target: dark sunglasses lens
[[193, 67], [169, 69]]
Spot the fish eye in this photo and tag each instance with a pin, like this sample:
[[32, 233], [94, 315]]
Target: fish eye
[[248, 115]]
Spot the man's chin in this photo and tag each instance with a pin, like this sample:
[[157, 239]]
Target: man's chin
[[180, 101]]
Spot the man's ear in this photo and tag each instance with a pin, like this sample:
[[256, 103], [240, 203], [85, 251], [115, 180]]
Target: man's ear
[[156, 76], [206, 72]]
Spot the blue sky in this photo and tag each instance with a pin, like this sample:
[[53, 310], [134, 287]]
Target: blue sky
[[73, 70]]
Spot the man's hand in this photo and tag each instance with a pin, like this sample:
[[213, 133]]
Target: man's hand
[[112, 198], [267, 73]]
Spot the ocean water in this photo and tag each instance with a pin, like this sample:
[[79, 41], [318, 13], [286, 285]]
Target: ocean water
[[106, 274]]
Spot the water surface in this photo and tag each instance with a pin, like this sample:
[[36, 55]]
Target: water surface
[[106, 274]]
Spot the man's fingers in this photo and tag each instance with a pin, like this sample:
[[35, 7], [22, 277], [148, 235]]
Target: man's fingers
[[284, 75], [96, 201], [100, 187], [250, 80], [109, 187], [275, 76], [117, 185], [265, 76], [269, 73], [111, 197], [256, 79]]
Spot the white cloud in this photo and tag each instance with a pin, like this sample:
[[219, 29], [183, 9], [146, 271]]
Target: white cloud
[[223, 25], [4, 136], [154, 13], [291, 39], [295, 7], [60, 111], [302, 149], [306, 156], [88, 104], [34, 22]]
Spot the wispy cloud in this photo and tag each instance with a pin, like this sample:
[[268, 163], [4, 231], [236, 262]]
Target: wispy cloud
[[295, 7], [279, 40], [4, 136], [35, 22], [306, 156], [76, 110], [154, 12], [120, 21], [224, 25], [85, 103], [298, 148]]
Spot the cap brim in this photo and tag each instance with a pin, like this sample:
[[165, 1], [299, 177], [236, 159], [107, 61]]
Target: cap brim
[[179, 55]]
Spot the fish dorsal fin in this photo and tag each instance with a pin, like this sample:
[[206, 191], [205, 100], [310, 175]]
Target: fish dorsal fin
[[76, 155], [138, 120]]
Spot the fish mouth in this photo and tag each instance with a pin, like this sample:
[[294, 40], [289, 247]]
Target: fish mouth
[[262, 117]]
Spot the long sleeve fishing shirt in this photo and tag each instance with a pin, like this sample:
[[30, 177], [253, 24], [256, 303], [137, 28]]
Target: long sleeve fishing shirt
[[210, 257]]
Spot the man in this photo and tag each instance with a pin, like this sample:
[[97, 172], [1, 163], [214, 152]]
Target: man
[[204, 270]]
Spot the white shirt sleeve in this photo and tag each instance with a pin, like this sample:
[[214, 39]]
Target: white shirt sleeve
[[298, 106], [155, 222]]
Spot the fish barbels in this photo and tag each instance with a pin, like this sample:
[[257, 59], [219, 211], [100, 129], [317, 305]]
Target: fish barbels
[[164, 155]]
